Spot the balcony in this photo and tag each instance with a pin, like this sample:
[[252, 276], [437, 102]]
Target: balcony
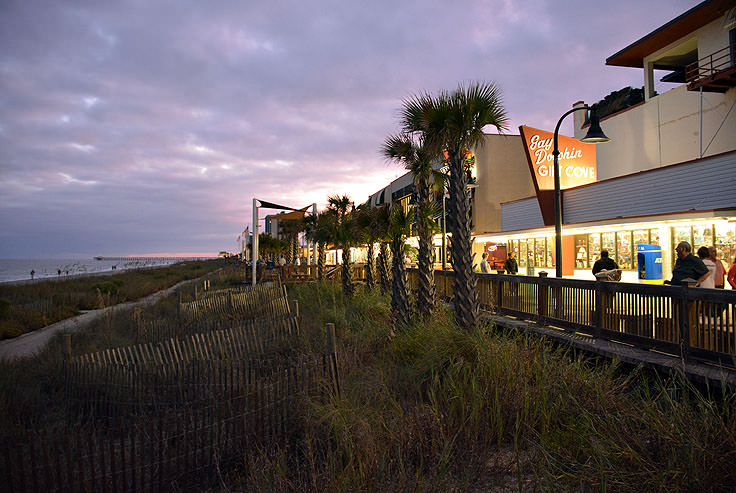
[[713, 73]]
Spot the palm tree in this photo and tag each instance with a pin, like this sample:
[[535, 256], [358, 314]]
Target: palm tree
[[344, 235], [368, 233], [383, 216], [291, 230], [453, 122], [416, 158], [399, 229], [316, 230]]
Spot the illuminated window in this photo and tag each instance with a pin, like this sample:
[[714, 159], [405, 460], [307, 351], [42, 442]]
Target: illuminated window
[[539, 253], [521, 257], [594, 245], [726, 242], [623, 250], [654, 237], [608, 242], [581, 251]]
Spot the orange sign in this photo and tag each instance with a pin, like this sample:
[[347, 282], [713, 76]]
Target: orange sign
[[576, 159]]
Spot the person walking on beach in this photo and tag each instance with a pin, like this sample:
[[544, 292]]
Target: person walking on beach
[[33, 273], [58, 272]]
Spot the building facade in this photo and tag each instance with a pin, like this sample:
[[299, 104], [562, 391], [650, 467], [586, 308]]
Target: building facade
[[666, 176]]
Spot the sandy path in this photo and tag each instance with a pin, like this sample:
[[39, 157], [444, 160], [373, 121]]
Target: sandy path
[[32, 342]]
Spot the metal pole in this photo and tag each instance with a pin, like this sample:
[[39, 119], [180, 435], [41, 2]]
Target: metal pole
[[444, 233], [558, 198], [255, 242]]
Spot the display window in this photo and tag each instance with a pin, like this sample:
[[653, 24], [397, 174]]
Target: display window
[[623, 250], [550, 256], [521, 257], [702, 236], [540, 253], [581, 251], [726, 242]]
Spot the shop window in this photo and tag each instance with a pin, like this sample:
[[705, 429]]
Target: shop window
[[654, 237], [521, 257], [530, 253], [726, 242], [581, 251], [594, 248], [702, 236], [623, 250], [681, 233], [539, 253], [641, 237], [550, 241], [608, 242]]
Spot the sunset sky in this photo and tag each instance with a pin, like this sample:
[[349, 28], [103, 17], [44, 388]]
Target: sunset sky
[[144, 126]]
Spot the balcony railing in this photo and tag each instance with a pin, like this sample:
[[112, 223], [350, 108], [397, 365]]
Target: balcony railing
[[715, 72]]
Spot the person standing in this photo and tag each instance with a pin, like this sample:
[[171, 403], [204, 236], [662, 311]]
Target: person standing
[[687, 266], [732, 275], [720, 273], [33, 273], [510, 265], [604, 263], [709, 281], [484, 267]]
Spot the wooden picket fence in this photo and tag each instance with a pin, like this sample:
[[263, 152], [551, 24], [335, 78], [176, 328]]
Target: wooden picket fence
[[168, 450], [244, 338], [263, 300], [157, 330]]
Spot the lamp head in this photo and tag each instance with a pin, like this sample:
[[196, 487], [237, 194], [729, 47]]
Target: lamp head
[[595, 133]]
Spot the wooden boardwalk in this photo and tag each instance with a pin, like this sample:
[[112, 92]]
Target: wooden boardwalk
[[704, 373]]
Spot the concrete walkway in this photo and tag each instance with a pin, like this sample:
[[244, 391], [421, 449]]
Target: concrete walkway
[[33, 342]]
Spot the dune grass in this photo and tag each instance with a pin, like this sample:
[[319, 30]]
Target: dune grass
[[432, 407], [27, 307]]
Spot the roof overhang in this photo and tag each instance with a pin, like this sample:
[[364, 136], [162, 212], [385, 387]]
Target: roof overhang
[[678, 28]]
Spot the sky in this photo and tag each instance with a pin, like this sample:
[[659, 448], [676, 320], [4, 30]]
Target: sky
[[148, 126]]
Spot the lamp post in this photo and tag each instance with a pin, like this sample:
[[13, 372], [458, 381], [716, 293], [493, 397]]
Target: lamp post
[[594, 136]]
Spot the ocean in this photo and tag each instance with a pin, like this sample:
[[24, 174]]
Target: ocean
[[20, 269]]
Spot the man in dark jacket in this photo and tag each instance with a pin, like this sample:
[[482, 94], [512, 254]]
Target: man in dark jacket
[[604, 263], [510, 265], [688, 266]]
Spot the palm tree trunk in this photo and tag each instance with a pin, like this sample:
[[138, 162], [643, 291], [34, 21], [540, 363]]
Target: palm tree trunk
[[321, 261], [347, 280], [383, 268], [426, 292], [466, 299], [369, 280], [399, 292]]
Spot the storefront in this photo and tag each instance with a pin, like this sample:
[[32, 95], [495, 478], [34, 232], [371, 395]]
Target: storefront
[[582, 245]]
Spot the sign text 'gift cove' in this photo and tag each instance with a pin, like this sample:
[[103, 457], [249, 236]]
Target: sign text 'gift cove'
[[576, 159]]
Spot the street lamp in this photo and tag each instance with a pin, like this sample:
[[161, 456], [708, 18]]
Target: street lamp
[[594, 136]]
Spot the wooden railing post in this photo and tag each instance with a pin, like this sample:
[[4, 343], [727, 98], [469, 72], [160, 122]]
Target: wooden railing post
[[688, 319], [499, 293], [542, 297]]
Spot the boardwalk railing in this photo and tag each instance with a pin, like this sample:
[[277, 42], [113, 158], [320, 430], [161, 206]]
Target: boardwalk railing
[[692, 323]]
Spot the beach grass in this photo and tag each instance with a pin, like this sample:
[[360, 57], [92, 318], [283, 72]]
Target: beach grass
[[432, 407], [28, 307]]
